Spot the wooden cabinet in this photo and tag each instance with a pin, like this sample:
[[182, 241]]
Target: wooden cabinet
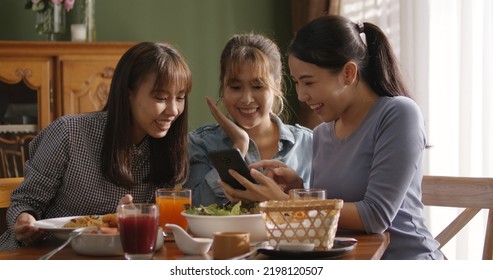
[[85, 82], [35, 75], [41, 81], [68, 77]]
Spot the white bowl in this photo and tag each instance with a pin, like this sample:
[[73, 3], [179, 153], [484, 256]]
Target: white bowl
[[103, 244], [206, 226]]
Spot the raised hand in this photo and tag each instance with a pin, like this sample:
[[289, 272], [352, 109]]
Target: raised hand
[[238, 135]]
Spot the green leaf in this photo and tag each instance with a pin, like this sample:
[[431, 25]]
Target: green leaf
[[215, 210], [236, 210]]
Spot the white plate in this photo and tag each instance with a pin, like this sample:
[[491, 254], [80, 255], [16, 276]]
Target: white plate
[[88, 243], [55, 225]]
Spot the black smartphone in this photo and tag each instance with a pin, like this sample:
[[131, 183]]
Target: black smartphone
[[223, 160]]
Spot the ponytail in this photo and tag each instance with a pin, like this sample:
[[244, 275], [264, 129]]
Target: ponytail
[[331, 41], [382, 70]]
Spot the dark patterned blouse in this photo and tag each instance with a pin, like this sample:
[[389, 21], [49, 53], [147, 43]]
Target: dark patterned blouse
[[63, 176]]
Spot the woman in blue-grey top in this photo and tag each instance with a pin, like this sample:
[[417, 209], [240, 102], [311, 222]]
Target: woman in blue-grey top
[[369, 150], [251, 92]]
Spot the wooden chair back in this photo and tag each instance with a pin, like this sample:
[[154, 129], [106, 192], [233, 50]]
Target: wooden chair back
[[13, 155], [7, 185], [24, 146], [10, 157], [473, 194]]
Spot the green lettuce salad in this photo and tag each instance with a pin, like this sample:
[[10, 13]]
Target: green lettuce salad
[[215, 210]]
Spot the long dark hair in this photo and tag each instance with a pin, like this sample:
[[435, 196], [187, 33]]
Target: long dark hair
[[169, 155], [331, 41]]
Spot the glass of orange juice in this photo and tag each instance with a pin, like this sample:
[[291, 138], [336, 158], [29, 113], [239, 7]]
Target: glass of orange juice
[[171, 202]]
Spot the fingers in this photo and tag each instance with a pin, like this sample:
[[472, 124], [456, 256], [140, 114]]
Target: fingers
[[268, 178], [238, 135], [250, 194], [277, 170], [127, 199], [270, 189], [212, 107], [268, 164], [231, 198], [261, 178], [242, 180], [266, 189], [25, 231], [233, 194], [23, 223], [229, 192], [211, 104], [284, 171], [270, 173], [216, 113], [289, 177]]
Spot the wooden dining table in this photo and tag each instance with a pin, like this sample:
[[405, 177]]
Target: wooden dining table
[[368, 247]]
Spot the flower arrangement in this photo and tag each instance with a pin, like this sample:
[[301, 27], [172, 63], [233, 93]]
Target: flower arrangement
[[43, 5], [50, 15]]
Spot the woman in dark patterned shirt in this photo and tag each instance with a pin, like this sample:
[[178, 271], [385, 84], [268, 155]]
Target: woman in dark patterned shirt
[[84, 164]]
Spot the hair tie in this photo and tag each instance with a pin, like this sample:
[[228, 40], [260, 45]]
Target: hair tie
[[361, 29]]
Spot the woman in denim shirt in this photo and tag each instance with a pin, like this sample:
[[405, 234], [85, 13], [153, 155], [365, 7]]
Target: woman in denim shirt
[[251, 92]]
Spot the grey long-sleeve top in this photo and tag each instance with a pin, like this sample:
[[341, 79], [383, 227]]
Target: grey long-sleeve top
[[379, 167]]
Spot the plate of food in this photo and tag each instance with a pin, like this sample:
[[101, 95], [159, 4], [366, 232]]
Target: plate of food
[[103, 239], [62, 226], [342, 246]]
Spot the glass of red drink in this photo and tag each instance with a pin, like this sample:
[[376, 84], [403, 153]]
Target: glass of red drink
[[138, 224]]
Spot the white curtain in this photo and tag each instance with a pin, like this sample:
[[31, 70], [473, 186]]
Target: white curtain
[[445, 48]]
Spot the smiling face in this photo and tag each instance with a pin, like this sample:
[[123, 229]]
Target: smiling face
[[154, 110], [324, 92], [247, 98]]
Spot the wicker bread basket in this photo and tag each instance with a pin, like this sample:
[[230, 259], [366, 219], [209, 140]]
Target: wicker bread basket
[[302, 221]]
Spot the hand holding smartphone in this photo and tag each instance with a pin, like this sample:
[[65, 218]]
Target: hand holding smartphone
[[223, 160]]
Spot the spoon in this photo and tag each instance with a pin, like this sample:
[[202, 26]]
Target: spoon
[[72, 235], [188, 244]]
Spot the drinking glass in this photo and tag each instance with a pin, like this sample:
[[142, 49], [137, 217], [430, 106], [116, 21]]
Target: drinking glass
[[171, 202], [138, 224], [306, 194]]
